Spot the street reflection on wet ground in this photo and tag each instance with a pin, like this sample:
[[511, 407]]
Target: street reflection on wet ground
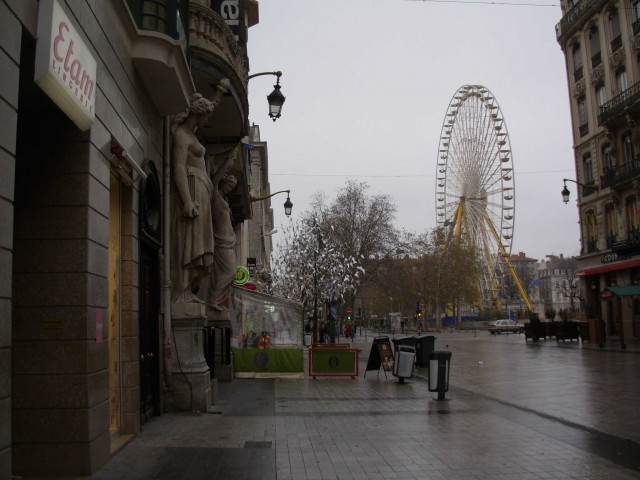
[[515, 410]]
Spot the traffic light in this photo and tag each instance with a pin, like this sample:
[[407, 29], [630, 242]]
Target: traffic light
[[349, 317]]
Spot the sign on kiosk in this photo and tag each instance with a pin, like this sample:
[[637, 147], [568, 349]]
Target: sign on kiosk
[[65, 68]]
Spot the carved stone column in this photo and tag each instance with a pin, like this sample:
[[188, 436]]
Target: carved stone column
[[190, 372]]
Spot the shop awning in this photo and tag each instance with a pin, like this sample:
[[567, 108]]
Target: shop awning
[[608, 268], [627, 291]]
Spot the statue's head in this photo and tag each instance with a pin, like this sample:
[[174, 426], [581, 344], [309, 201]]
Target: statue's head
[[199, 105], [228, 183]]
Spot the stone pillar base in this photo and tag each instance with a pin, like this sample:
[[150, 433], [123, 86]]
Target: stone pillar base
[[190, 377]]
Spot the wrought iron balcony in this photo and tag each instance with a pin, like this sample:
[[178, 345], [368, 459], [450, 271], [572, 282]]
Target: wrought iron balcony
[[619, 174], [574, 14], [629, 244], [619, 104]]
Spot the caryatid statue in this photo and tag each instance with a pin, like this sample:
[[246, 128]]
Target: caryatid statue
[[192, 238], [223, 272]]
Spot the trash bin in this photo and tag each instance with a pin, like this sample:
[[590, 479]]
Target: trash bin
[[403, 362], [439, 372], [409, 341], [425, 344], [307, 339]]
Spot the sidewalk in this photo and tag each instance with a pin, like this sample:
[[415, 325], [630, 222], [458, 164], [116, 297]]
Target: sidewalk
[[515, 410]]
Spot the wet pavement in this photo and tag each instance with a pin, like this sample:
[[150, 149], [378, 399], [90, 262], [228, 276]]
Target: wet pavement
[[515, 410]]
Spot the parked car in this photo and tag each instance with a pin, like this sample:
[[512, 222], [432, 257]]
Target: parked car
[[500, 326]]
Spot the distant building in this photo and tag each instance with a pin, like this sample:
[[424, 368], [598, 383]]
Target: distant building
[[558, 285], [526, 269], [259, 229], [601, 43]]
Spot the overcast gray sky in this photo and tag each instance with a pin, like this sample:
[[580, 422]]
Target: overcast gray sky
[[368, 83]]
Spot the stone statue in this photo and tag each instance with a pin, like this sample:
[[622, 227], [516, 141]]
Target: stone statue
[[192, 239], [224, 264]]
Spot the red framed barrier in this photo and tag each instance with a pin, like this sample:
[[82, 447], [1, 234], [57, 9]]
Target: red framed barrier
[[333, 361]]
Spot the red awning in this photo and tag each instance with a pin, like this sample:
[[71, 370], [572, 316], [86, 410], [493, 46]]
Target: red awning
[[608, 268]]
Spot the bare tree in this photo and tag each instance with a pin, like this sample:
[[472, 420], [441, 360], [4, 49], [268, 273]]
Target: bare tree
[[359, 225], [311, 269]]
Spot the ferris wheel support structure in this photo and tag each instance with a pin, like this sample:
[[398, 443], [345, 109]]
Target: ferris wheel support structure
[[475, 190]]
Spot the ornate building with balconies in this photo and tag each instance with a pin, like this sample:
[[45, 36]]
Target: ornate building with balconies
[[601, 43], [89, 89]]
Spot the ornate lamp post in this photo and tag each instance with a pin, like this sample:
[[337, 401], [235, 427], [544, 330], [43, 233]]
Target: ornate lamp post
[[288, 206], [565, 191], [276, 98]]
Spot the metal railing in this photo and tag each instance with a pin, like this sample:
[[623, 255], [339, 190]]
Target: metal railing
[[619, 103], [574, 14], [619, 174]]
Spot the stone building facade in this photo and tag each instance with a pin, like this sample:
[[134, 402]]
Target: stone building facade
[[601, 43], [83, 199]]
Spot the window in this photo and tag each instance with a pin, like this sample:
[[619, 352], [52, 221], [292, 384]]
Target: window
[[614, 29], [627, 146], [587, 166], [577, 62], [612, 226], [591, 224], [621, 80], [594, 46], [635, 12], [601, 94], [633, 218], [583, 120], [607, 159]]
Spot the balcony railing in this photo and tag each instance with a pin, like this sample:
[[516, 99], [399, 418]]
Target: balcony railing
[[596, 59], [619, 103], [592, 245], [574, 14], [614, 176]]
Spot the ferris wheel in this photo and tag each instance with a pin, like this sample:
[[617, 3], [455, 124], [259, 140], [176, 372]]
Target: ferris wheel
[[475, 189]]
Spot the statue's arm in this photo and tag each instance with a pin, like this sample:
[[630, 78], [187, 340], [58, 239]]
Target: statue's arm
[[222, 88], [224, 168], [179, 152]]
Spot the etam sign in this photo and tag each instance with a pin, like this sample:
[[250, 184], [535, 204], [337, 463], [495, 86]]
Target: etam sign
[[65, 68]]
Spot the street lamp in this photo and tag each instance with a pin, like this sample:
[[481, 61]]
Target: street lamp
[[565, 191], [276, 98], [287, 204]]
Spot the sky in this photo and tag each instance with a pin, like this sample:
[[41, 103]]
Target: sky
[[368, 84]]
